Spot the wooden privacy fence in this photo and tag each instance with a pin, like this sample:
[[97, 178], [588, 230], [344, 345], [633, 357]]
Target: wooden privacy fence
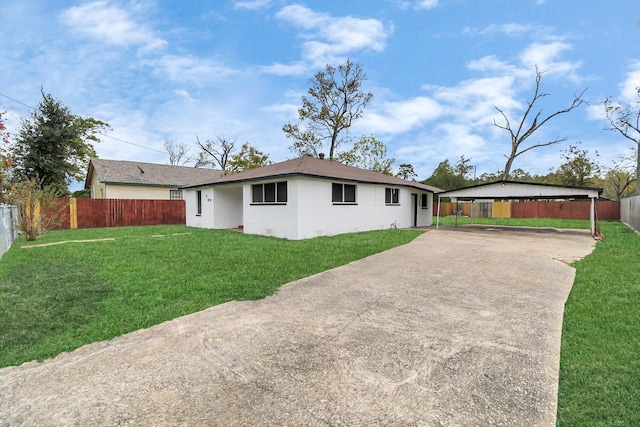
[[608, 210], [100, 213]]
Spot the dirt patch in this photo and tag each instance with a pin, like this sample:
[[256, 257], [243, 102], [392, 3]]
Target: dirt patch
[[451, 329]]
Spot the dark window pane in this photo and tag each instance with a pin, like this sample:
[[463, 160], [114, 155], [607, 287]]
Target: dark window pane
[[349, 193], [387, 195], [282, 192], [199, 202], [425, 200], [270, 192], [337, 193], [257, 193]]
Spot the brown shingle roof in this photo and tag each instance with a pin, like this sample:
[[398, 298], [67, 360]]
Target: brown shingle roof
[[318, 168], [141, 173]]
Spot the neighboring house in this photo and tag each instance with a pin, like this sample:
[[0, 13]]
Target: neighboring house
[[119, 179], [308, 197]]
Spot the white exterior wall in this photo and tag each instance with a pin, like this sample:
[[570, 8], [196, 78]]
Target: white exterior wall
[[318, 216], [516, 190], [425, 216], [272, 220], [309, 211], [206, 220]]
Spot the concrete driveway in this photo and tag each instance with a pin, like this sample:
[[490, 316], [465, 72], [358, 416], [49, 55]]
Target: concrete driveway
[[455, 328]]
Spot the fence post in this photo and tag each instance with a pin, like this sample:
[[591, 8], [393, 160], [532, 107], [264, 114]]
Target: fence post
[[73, 213]]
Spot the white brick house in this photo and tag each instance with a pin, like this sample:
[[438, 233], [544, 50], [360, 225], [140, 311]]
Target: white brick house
[[308, 197]]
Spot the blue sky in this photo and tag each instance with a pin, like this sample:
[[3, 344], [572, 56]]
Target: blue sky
[[156, 69]]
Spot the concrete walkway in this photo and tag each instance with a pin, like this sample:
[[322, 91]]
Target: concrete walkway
[[455, 328]]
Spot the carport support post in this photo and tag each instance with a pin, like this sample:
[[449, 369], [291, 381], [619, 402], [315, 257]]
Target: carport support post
[[438, 216], [592, 216]]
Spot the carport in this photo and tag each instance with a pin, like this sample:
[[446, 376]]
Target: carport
[[512, 190]]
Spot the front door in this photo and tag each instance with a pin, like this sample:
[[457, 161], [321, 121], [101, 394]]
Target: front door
[[414, 210]]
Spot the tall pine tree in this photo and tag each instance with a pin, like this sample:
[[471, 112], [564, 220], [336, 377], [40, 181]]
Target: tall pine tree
[[54, 146]]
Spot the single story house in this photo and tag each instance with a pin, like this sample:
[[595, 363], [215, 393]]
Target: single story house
[[119, 179], [513, 190], [308, 197]]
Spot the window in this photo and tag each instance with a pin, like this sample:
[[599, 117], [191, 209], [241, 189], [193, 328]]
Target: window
[[424, 201], [270, 193], [392, 196], [343, 193], [175, 194], [199, 202]]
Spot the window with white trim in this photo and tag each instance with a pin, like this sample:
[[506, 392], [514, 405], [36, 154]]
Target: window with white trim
[[198, 202], [343, 193], [392, 196], [272, 193], [175, 194]]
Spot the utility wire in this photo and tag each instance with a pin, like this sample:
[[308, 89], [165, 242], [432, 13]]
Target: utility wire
[[99, 133]]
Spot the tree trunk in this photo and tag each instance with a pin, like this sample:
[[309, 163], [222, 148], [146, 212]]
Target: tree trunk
[[637, 192]]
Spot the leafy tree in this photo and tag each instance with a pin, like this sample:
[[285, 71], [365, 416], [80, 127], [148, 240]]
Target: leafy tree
[[5, 156], [525, 128], [405, 171], [215, 153], [39, 209], [368, 153], [450, 177], [577, 169], [625, 119], [335, 100], [53, 146], [621, 180], [247, 158], [521, 175], [178, 153]]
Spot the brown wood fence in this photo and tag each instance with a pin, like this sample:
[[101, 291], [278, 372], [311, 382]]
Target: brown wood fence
[[100, 213], [574, 209], [607, 210]]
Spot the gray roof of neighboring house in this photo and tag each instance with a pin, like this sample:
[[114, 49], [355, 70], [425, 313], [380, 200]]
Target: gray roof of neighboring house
[[317, 168], [141, 173]]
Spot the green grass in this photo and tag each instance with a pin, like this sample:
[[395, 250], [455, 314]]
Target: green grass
[[58, 298], [600, 358]]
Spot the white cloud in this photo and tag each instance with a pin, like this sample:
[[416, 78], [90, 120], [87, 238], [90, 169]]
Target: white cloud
[[628, 87], [330, 38], [294, 69], [426, 4], [546, 57], [188, 69], [252, 5], [111, 24], [400, 117], [472, 101]]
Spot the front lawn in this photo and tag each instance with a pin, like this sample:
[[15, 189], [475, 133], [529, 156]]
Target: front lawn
[[57, 298], [600, 358]]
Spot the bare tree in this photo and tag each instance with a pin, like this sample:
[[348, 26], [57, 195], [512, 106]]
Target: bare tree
[[215, 153], [178, 153], [335, 100], [625, 119], [524, 130]]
